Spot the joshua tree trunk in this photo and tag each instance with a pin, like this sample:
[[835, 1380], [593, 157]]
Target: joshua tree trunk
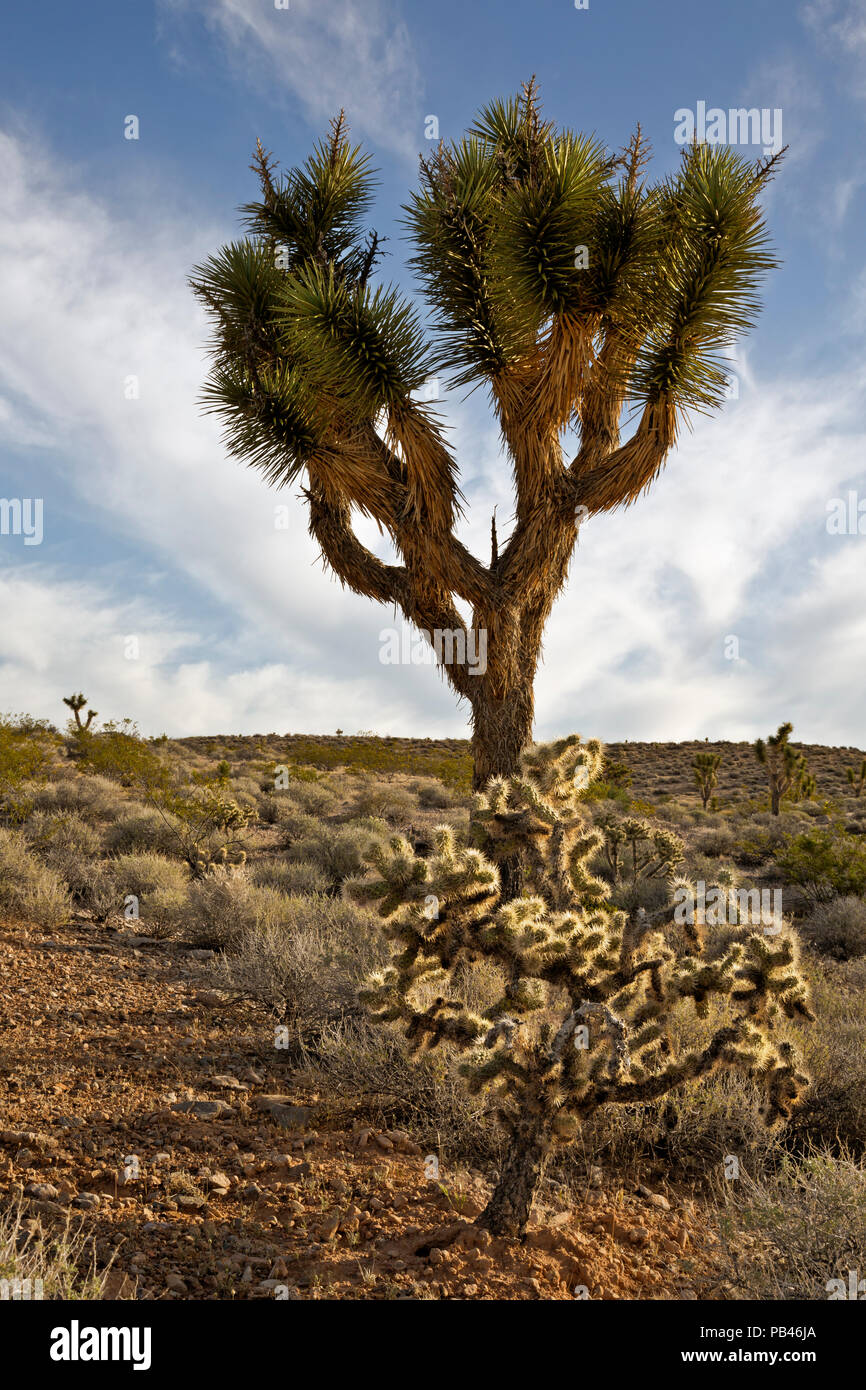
[[507, 1213], [502, 727], [502, 712]]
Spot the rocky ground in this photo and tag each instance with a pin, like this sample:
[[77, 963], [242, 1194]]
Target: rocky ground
[[144, 1107]]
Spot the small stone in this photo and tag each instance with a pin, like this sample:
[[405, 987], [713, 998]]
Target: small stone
[[175, 1283], [86, 1201], [42, 1191], [329, 1227], [283, 1111], [203, 1109]]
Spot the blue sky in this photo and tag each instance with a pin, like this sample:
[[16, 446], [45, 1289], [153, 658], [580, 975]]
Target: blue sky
[[718, 606]]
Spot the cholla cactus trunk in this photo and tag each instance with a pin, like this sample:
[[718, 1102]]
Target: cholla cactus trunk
[[588, 996]]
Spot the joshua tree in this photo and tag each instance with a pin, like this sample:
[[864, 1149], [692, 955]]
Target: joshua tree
[[559, 279], [858, 779], [588, 997], [786, 768], [76, 703], [706, 766]]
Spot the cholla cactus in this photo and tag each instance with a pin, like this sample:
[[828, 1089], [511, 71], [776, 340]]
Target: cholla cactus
[[785, 767], [588, 994], [706, 767]]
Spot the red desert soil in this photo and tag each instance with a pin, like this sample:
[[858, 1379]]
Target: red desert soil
[[154, 1114]]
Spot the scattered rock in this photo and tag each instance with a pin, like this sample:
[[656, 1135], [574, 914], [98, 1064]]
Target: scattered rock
[[203, 1109]]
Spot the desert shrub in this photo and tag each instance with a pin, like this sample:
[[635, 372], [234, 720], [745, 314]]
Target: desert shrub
[[71, 847], [432, 795], [223, 908], [311, 798], [806, 1226], [143, 873], [290, 875], [61, 839], [95, 799], [825, 863], [606, 792], [25, 757], [29, 889], [756, 844], [838, 928], [714, 841], [339, 851], [163, 910], [386, 800], [306, 961], [144, 830], [373, 1075], [833, 1114], [118, 752], [296, 825]]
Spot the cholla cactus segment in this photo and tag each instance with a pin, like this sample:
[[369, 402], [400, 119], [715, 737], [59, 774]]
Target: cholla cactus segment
[[587, 995]]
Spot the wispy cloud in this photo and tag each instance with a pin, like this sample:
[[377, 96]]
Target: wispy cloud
[[356, 54]]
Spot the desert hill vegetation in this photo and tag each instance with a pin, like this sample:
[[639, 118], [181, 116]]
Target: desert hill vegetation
[[269, 1028]]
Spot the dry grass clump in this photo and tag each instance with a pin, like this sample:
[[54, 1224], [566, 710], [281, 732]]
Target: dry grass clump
[[834, 1054], [56, 1266], [29, 889], [145, 872], [838, 928], [96, 799], [223, 909], [386, 800], [806, 1227], [142, 829], [338, 850], [290, 876]]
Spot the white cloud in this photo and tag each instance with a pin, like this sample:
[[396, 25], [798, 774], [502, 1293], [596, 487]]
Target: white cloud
[[352, 54]]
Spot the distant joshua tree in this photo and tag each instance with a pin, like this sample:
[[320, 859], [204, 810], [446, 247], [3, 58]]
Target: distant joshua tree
[[786, 768], [858, 779], [557, 278], [706, 767], [76, 703], [594, 1002]]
